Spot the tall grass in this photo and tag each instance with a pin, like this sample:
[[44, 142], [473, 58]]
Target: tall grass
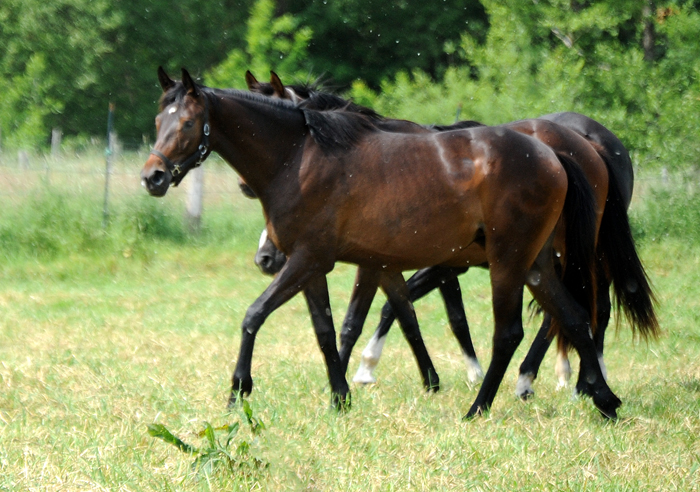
[[91, 356]]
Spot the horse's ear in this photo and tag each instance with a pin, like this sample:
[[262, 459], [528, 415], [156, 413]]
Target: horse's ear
[[189, 84], [165, 81], [251, 80], [277, 86]]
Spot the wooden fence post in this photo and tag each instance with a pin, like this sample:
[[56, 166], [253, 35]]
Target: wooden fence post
[[111, 139], [56, 135], [23, 158], [195, 199]]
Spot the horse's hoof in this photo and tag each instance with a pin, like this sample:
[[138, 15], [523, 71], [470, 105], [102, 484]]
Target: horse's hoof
[[432, 382], [364, 376], [474, 412], [607, 405], [523, 388], [240, 387], [341, 403], [526, 395]]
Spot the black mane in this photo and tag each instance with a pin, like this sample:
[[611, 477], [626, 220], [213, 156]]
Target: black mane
[[335, 123], [178, 92], [324, 101], [460, 125], [338, 129]]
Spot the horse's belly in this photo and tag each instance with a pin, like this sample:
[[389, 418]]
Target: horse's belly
[[412, 243]]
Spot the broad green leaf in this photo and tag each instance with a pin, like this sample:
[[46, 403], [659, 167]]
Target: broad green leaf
[[161, 432]]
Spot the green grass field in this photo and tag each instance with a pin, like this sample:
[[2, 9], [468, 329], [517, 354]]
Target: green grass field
[[103, 333]]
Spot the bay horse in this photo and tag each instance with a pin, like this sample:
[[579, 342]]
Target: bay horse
[[335, 187], [619, 262]]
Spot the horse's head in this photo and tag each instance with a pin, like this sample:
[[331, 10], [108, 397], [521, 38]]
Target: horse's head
[[182, 128], [275, 88]]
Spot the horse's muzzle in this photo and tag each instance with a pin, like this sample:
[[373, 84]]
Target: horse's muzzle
[[155, 179], [270, 260]]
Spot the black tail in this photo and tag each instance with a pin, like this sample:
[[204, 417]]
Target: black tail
[[580, 216], [631, 287]]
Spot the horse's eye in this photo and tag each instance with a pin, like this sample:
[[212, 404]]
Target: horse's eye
[[188, 124]]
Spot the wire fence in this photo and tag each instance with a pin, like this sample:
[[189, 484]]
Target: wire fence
[[24, 174]]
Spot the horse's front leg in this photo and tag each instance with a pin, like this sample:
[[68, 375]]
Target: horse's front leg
[[292, 278], [316, 293]]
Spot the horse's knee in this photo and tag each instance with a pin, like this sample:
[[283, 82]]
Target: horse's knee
[[252, 321]]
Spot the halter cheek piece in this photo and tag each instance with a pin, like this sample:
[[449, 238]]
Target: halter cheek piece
[[180, 169]]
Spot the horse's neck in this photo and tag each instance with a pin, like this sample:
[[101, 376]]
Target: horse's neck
[[257, 140]]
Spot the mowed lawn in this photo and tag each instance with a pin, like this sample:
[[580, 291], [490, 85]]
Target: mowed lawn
[[93, 349]]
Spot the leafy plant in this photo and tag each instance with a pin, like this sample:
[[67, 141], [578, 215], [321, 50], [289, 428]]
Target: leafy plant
[[225, 451], [277, 43]]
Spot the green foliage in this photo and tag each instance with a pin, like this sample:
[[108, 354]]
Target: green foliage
[[371, 40], [271, 42], [217, 453], [80, 55], [25, 103], [671, 211], [569, 56]]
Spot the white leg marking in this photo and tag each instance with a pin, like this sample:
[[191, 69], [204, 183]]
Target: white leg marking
[[563, 370], [369, 361], [474, 372], [602, 367], [523, 388]]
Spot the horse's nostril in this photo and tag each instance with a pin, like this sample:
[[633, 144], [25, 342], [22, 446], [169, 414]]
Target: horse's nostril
[[266, 261], [157, 178]]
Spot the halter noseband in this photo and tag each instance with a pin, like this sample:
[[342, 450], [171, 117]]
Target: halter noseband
[[180, 169]]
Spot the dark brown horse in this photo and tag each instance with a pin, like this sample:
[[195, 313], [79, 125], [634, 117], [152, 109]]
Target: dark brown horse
[[600, 154], [335, 187]]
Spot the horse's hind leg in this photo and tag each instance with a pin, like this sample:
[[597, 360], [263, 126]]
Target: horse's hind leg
[[603, 308], [531, 364], [553, 296], [507, 293], [366, 283], [397, 292], [452, 296], [421, 283]]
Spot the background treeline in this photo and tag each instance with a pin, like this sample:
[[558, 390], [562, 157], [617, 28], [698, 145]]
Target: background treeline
[[632, 64]]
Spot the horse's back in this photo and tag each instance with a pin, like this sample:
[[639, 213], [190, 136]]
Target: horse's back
[[615, 152]]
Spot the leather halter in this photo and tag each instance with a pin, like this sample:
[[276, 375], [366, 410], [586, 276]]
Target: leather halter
[[180, 169]]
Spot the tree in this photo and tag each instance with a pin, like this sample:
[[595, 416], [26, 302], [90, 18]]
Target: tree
[[76, 56], [271, 43], [561, 55], [372, 40]]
